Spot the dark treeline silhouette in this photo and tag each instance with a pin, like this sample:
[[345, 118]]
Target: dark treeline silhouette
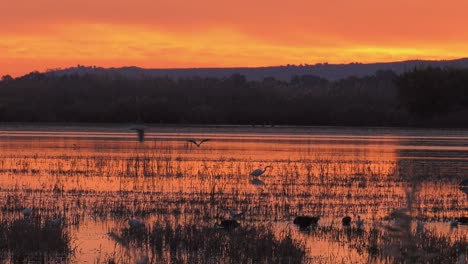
[[420, 97]]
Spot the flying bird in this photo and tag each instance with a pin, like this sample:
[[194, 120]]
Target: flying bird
[[198, 144], [259, 172]]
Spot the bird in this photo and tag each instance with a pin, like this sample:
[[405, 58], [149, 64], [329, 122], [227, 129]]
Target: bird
[[346, 221], [463, 220], [135, 223], [237, 215], [453, 223], [140, 130], [27, 212], [305, 221], [198, 144], [259, 172], [228, 224], [359, 222]]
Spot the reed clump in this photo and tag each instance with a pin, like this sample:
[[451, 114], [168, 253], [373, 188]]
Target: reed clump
[[34, 240]]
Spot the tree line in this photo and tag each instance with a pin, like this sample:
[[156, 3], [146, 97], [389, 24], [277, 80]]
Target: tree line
[[422, 97]]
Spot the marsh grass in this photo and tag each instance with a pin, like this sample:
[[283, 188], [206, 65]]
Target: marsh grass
[[204, 244], [34, 240]]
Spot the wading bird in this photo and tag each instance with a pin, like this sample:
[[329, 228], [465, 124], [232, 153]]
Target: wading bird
[[27, 212], [135, 223], [305, 221], [198, 144], [228, 224], [140, 130], [259, 172], [346, 221]]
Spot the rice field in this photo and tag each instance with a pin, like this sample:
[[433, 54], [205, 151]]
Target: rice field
[[98, 195]]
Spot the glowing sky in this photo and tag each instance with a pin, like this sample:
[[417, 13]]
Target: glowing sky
[[45, 34]]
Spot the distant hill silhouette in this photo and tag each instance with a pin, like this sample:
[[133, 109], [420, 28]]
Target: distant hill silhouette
[[285, 73]]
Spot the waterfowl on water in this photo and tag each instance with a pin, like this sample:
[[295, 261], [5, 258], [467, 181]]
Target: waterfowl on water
[[27, 212], [306, 221], [135, 223], [228, 224], [463, 220], [346, 221]]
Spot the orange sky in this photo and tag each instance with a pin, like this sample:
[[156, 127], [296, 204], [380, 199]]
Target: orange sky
[[45, 34]]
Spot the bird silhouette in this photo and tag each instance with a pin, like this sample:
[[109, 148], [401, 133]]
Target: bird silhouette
[[463, 220], [140, 130], [305, 222], [259, 172], [135, 223], [27, 212], [453, 223], [346, 221], [228, 224], [198, 144]]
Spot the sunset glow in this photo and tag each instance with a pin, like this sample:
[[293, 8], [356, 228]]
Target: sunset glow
[[41, 35]]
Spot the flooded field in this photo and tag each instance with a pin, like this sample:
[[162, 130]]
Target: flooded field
[[98, 195]]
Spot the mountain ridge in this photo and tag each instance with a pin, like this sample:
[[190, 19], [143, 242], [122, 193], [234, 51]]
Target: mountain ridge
[[285, 73]]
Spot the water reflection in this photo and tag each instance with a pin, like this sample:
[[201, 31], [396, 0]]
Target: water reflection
[[98, 180]]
